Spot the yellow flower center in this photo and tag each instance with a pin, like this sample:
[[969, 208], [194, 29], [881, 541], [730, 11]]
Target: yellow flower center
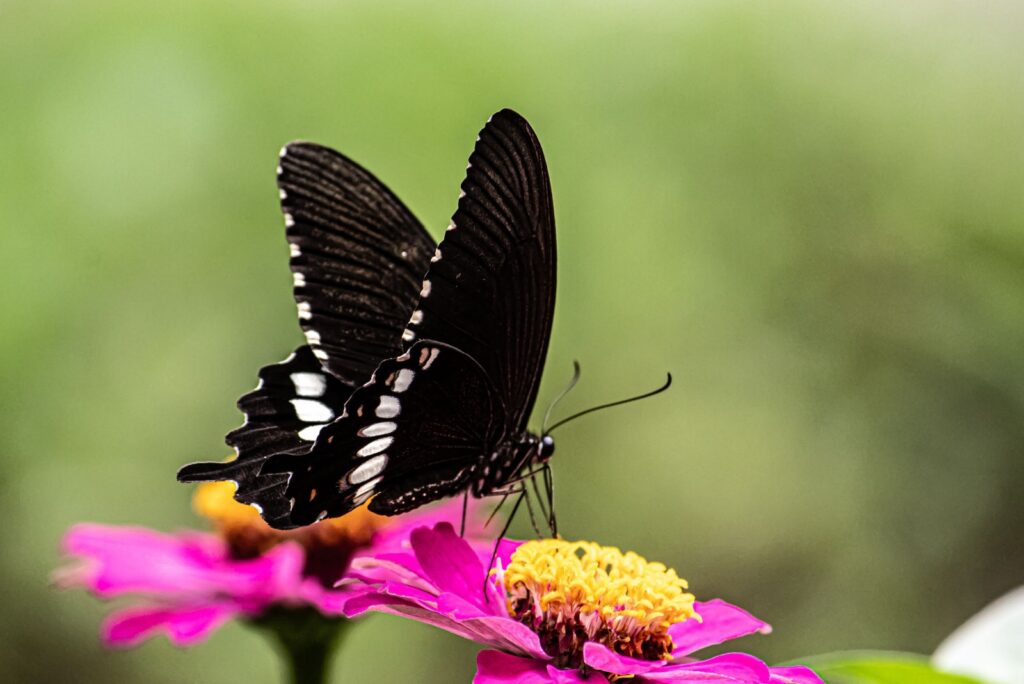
[[574, 592], [329, 544]]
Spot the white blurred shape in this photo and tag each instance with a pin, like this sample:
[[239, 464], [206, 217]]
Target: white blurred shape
[[990, 645]]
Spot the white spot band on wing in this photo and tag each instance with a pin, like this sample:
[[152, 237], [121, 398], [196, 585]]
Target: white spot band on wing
[[375, 447], [430, 360], [310, 433], [367, 487], [309, 384], [369, 469], [377, 429], [311, 411], [403, 380], [389, 407]]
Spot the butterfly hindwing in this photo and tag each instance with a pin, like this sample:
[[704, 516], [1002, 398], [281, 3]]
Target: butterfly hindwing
[[414, 433], [358, 256], [490, 288], [284, 414]]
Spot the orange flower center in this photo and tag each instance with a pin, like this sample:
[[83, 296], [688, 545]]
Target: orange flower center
[[329, 544]]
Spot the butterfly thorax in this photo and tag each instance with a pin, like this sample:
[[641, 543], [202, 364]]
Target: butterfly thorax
[[511, 461]]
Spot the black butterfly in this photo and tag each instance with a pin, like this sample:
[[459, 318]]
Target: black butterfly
[[412, 387]]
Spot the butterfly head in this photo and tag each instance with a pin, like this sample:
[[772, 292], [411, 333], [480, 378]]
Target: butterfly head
[[532, 451]]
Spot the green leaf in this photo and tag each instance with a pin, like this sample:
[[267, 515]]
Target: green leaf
[[880, 667]]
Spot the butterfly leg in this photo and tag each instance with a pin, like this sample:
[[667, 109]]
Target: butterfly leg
[[465, 505], [506, 487], [504, 530], [549, 485], [529, 508], [504, 498], [540, 500]]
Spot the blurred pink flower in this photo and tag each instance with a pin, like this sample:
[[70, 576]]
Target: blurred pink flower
[[560, 611], [187, 584]]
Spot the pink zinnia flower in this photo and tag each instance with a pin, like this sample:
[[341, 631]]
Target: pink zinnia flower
[[189, 583], [561, 612]]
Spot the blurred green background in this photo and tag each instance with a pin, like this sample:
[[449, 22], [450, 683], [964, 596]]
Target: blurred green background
[[811, 214]]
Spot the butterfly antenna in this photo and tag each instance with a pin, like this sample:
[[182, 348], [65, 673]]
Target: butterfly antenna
[[668, 383], [568, 388]]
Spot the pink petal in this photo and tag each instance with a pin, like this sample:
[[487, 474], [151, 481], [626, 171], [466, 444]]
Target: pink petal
[[600, 657], [182, 568], [119, 560], [506, 547], [459, 608], [327, 601], [730, 667], [794, 675], [399, 599], [370, 600], [274, 576], [495, 667], [183, 626], [507, 634], [373, 570], [449, 562], [573, 677], [394, 606], [721, 622], [410, 593], [188, 582], [397, 561]]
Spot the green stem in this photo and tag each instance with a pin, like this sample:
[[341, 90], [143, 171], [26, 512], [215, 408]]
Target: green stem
[[309, 663], [305, 639]]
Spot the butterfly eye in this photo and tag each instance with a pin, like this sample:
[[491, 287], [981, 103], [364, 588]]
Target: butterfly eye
[[546, 448]]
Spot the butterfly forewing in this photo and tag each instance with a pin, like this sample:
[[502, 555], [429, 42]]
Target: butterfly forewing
[[295, 399], [490, 288], [357, 256], [414, 433]]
